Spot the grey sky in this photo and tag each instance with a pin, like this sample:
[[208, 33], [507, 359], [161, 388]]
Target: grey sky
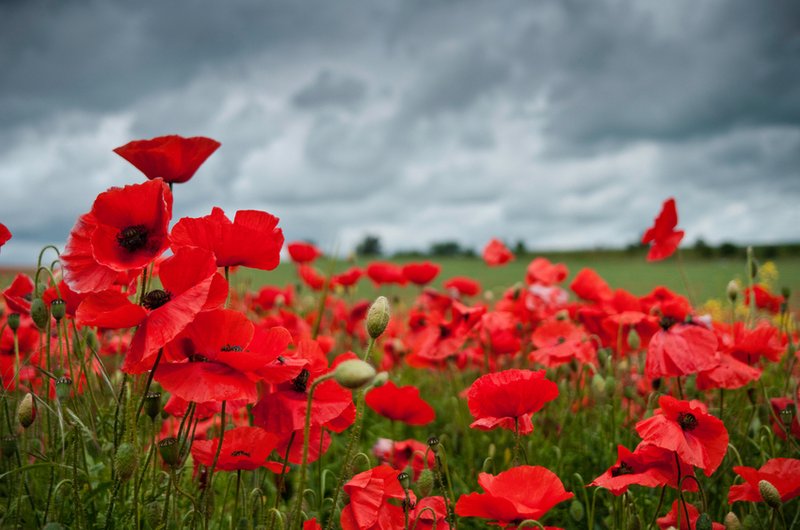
[[559, 122]]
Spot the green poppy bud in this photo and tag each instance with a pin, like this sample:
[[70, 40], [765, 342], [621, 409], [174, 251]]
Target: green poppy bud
[[634, 341], [125, 462], [354, 373], [26, 411], [92, 340], [39, 313], [732, 522], [770, 494], [598, 386], [703, 522], [732, 290], [378, 317], [425, 482], [381, 379], [170, 451], [58, 308], [611, 385], [13, 321], [576, 510], [63, 388]]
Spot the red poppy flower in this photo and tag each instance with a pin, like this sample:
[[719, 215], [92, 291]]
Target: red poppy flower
[[400, 404], [588, 285], [126, 229], [543, 272], [507, 399], [369, 494], [749, 345], [783, 473], [312, 524], [72, 300], [421, 273], [403, 454], [687, 428], [5, 234], [679, 350], [764, 299], [560, 341], [385, 273], [671, 519], [242, 448], [662, 235], [729, 373], [302, 252], [463, 286], [18, 294], [172, 158], [522, 492], [270, 296], [496, 253], [648, 465], [779, 405], [252, 240], [348, 278], [499, 332], [220, 352], [311, 277]]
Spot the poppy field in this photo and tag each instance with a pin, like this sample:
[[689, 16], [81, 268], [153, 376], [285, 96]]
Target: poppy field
[[158, 373]]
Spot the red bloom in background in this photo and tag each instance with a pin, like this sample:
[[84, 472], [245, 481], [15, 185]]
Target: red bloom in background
[[421, 273], [463, 286], [5, 234], [778, 406], [729, 373], [270, 296], [18, 294], [496, 253], [681, 349], [302, 252], [252, 240], [749, 345], [242, 448], [558, 342], [400, 404], [522, 492], [671, 519], [662, 236], [172, 158], [543, 272], [405, 453], [764, 299], [507, 399], [687, 428], [126, 229], [648, 465], [499, 332], [311, 277], [783, 473], [348, 278], [588, 285], [381, 272]]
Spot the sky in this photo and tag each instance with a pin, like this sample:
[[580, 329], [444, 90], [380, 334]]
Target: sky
[[561, 123]]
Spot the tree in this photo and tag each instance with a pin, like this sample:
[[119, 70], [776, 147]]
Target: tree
[[369, 246]]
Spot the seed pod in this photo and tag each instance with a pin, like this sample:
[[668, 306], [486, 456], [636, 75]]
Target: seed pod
[[152, 404], [63, 388], [8, 446], [13, 321], [169, 449], [58, 308], [354, 373], [378, 317], [39, 313], [26, 411], [125, 462], [598, 386], [732, 522], [770, 494], [433, 443], [405, 480]]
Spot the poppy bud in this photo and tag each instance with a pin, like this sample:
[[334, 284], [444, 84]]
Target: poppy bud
[[26, 411], [58, 309], [598, 386], [8, 446], [732, 522], [125, 462], [753, 269], [13, 321], [634, 341], [750, 522], [91, 340], [425, 482], [770, 494], [39, 313], [381, 379], [169, 449], [611, 385], [732, 290], [405, 480], [576, 510], [354, 373], [602, 356], [703, 522], [378, 317], [152, 404], [63, 388]]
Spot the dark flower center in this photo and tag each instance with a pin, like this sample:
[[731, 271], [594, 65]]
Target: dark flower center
[[300, 383], [444, 331], [197, 359], [156, 298], [240, 453], [230, 347], [132, 238], [687, 421], [622, 469], [667, 322]]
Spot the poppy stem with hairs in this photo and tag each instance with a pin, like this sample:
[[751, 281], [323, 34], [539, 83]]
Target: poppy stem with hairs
[[210, 485], [658, 508], [681, 500], [147, 386], [301, 482]]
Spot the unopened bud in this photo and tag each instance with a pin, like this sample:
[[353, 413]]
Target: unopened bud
[[13, 321], [703, 522], [611, 385], [576, 510], [634, 340], [753, 268], [8, 446], [425, 482], [378, 317], [63, 388], [381, 379], [152, 404], [169, 449], [125, 462], [26, 411], [770, 494], [598, 385], [732, 522], [354, 373], [92, 340], [58, 308], [732, 290], [39, 313]]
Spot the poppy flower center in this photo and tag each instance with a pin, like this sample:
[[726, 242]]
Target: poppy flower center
[[300, 383], [240, 453], [687, 421], [132, 238], [444, 331], [156, 298], [230, 347], [198, 359], [667, 322], [622, 469]]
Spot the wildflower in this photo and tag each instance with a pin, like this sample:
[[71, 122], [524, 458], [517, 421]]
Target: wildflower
[[172, 158], [648, 465], [400, 404], [421, 273], [463, 286], [782, 473], [302, 252], [496, 253], [243, 448], [662, 236]]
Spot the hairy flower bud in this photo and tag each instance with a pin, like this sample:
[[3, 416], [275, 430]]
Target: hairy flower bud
[[13, 321], [576, 510], [378, 317], [354, 373], [125, 462], [634, 341], [770, 494], [732, 522], [425, 482], [39, 313], [732, 290], [26, 411]]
